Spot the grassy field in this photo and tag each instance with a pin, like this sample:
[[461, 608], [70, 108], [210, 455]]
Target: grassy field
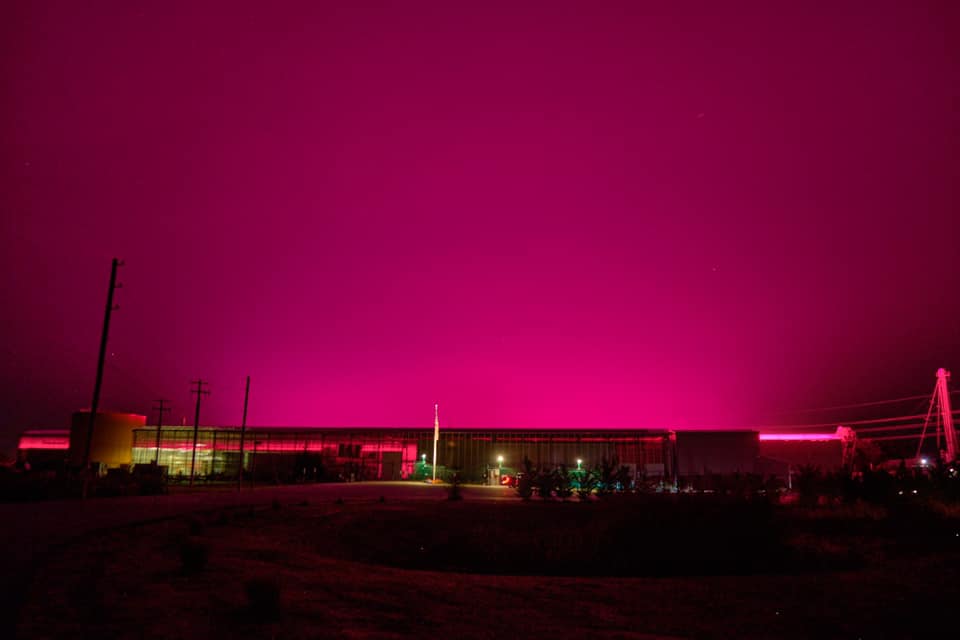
[[627, 569]]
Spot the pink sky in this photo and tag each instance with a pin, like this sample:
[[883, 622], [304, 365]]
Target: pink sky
[[537, 214]]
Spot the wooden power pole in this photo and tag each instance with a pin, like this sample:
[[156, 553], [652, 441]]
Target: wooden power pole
[[94, 405], [243, 433], [200, 391]]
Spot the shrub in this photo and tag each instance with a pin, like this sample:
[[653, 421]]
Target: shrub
[[809, 484], [587, 482], [525, 486], [275, 505], [263, 598], [611, 476], [194, 554], [622, 479], [563, 482], [544, 484], [526, 479]]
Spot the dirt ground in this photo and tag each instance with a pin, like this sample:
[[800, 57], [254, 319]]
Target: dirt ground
[[131, 582]]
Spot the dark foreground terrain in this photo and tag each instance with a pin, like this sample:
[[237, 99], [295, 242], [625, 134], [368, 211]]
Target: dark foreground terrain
[[655, 567]]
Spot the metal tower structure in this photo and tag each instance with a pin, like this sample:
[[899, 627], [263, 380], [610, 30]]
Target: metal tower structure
[[941, 400]]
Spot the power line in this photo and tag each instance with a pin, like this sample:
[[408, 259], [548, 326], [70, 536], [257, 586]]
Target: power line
[[912, 436], [874, 403], [845, 423], [897, 427], [867, 404]]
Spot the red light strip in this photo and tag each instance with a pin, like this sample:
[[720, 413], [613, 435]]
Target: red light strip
[[270, 447], [799, 437], [49, 443]]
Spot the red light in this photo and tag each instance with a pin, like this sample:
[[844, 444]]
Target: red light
[[49, 442], [800, 437]]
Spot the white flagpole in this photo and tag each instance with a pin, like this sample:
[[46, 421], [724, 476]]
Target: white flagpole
[[436, 438]]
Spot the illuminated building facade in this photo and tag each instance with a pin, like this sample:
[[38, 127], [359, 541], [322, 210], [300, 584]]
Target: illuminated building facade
[[291, 454], [287, 454]]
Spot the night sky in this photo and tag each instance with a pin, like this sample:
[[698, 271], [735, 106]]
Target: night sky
[[636, 214]]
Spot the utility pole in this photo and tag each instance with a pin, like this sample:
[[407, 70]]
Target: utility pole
[[200, 391], [436, 438], [114, 285], [160, 411], [243, 433]]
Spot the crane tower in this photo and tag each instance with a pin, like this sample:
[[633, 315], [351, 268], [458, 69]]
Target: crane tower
[[941, 400]]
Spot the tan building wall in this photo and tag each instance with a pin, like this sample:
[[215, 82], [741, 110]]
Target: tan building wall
[[112, 442]]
